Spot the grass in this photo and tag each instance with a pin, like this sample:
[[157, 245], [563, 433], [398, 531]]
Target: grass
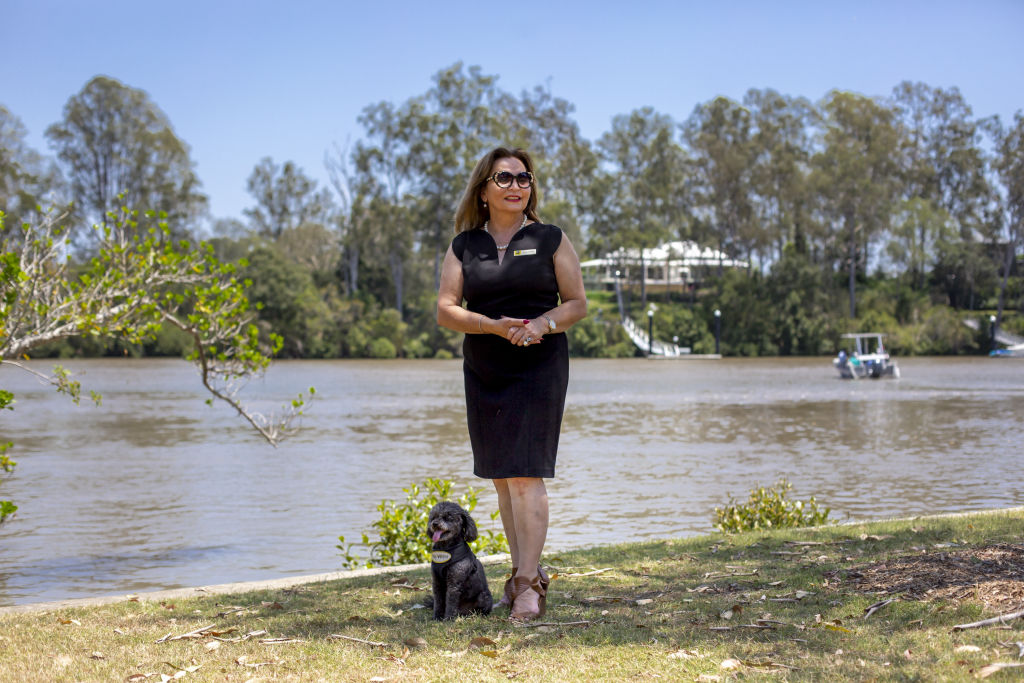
[[782, 605]]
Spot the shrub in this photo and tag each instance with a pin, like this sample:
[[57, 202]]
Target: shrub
[[769, 509], [402, 528]]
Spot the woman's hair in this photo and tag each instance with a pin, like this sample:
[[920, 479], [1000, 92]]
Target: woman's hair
[[471, 212]]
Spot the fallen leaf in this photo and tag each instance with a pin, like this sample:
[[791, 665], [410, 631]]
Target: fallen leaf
[[272, 605], [907, 654], [686, 654], [730, 665], [97, 655], [66, 622], [120, 632], [996, 667], [967, 648], [731, 612], [709, 678], [644, 601], [489, 653], [415, 643], [168, 605], [212, 645], [481, 641]]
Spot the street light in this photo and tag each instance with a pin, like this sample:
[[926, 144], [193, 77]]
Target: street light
[[650, 331], [718, 331], [992, 332]]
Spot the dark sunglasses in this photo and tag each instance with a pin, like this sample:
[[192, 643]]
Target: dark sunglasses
[[503, 179]]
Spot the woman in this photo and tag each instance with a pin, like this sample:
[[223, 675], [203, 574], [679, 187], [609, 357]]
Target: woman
[[523, 288]]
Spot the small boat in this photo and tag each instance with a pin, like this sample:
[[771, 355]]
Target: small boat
[[865, 359]]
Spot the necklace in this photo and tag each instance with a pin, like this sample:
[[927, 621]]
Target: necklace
[[503, 247]]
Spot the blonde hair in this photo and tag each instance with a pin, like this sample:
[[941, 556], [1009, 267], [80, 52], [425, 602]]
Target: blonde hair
[[471, 212]]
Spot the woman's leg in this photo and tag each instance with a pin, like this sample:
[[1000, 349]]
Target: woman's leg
[[507, 518], [529, 502]]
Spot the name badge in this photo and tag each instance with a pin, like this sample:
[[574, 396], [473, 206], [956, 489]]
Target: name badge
[[440, 557], [524, 252]]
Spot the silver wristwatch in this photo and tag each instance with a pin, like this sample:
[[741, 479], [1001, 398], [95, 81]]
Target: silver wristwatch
[[551, 323]]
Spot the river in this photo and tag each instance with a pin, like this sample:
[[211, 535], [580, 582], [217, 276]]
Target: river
[[154, 489]]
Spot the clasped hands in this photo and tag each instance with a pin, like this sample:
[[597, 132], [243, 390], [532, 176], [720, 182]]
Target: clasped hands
[[522, 332]]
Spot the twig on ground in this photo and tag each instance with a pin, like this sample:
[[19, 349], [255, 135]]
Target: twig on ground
[[871, 609], [198, 633], [372, 643], [1001, 619], [535, 624], [596, 571]]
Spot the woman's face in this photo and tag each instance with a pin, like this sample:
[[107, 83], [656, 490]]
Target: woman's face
[[511, 199]]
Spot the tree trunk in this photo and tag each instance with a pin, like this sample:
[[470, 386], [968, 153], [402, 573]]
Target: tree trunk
[[852, 248], [397, 272]]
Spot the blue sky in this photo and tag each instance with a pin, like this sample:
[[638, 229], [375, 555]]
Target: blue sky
[[244, 80]]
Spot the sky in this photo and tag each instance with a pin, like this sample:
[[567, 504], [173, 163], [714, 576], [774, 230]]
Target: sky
[[240, 81]]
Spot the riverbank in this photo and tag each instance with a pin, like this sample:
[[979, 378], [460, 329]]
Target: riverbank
[[860, 601]]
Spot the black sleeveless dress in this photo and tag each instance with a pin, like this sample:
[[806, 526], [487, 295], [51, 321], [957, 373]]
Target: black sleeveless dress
[[515, 395]]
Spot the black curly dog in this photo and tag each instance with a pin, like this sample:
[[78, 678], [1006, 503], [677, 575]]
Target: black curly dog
[[460, 586]]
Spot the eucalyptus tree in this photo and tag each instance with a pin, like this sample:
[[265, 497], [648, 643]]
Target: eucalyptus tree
[[286, 198], [118, 148], [719, 136], [855, 175], [27, 179], [638, 196], [383, 183], [1009, 164], [942, 163], [781, 150]]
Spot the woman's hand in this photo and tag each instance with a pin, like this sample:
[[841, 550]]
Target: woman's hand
[[522, 332]]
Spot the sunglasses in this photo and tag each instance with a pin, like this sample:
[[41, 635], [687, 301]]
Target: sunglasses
[[503, 179]]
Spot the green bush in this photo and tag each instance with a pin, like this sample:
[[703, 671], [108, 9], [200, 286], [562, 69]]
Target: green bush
[[769, 509], [402, 528]]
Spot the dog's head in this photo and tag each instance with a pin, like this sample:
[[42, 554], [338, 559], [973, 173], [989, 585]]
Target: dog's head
[[449, 522]]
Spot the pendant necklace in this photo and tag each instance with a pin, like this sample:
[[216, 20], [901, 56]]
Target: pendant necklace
[[503, 247]]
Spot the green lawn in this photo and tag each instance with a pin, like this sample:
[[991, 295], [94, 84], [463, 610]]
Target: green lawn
[[783, 605]]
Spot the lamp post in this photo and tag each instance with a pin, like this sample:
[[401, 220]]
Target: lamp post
[[992, 332], [650, 331], [718, 330]]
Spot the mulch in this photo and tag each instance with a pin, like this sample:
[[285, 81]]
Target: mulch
[[992, 575]]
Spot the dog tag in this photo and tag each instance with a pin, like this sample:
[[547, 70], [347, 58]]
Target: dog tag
[[440, 557], [524, 252]]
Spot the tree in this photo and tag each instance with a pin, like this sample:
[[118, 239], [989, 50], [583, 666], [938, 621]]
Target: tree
[[640, 194], [855, 175], [138, 280], [1009, 164], [286, 198], [25, 176], [118, 147], [781, 151], [719, 136]]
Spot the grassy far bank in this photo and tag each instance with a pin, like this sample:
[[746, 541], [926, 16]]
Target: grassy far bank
[[785, 605]]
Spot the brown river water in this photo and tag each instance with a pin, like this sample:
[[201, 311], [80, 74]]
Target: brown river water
[[155, 489]]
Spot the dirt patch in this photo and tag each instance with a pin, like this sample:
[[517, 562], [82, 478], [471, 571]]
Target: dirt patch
[[992, 575]]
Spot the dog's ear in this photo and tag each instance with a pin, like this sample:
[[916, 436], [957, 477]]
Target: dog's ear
[[468, 527]]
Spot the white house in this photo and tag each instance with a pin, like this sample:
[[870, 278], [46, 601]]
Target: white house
[[673, 264]]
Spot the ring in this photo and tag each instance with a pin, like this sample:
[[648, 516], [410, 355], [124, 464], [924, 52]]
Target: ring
[[529, 339]]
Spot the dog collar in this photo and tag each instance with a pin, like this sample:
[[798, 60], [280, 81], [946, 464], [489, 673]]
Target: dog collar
[[442, 557]]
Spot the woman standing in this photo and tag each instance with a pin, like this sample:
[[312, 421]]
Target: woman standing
[[523, 288]]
